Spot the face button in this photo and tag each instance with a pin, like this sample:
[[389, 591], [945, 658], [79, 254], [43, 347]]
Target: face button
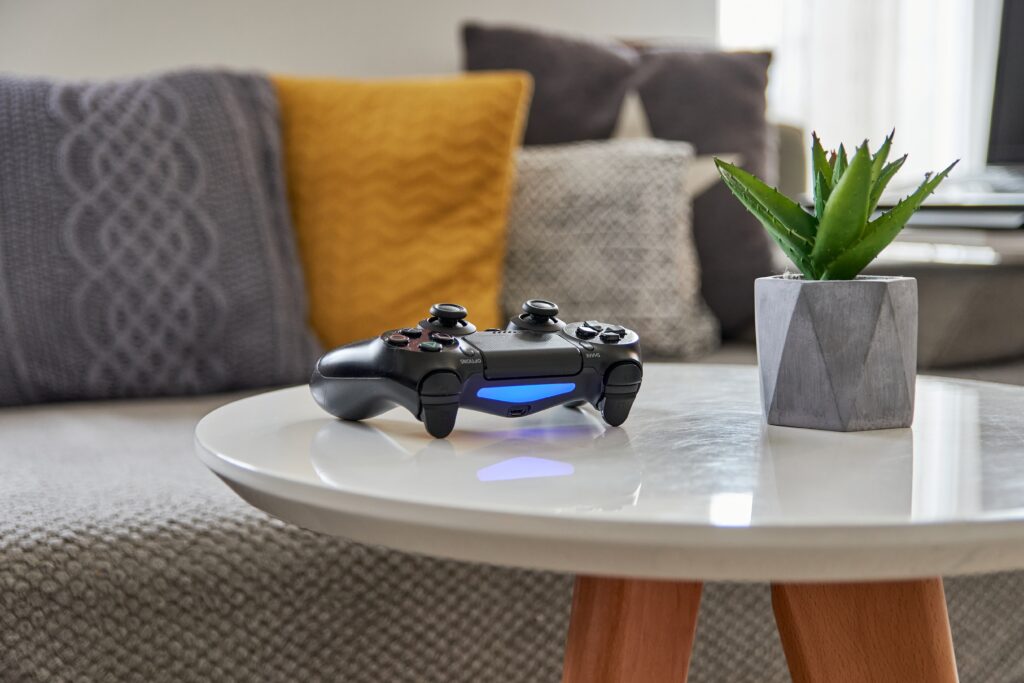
[[412, 332], [442, 338], [430, 346], [398, 340], [594, 325], [617, 329], [584, 332], [610, 338]]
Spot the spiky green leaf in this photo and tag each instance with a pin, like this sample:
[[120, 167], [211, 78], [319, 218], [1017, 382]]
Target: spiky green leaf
[[820, 165], [880, 157], [846, 211], [839, 167], [791, 227], [883, 180], [789, 213], [881, 232], [820, 195]]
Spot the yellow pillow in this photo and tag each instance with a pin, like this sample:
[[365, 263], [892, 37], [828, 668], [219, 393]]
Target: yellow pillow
[[399, 192]]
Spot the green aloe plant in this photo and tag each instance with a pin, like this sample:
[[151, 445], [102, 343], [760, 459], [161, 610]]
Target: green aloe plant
[[840, 238]]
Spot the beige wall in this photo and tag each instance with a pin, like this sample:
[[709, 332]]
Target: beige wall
[[101, 38]]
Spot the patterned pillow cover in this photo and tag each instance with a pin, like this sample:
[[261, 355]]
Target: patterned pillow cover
[[145, 243], [603, 228], [399, 191]]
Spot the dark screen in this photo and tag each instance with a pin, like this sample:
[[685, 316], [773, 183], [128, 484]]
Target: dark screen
[[1006, 137]]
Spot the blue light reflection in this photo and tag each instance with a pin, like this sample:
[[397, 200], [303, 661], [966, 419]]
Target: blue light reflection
[[525, 468]]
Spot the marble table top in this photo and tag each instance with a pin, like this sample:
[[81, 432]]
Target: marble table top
[[693, 486]]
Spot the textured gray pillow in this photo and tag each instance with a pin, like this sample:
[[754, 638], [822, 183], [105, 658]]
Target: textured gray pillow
[[603, 228], [145, 243]]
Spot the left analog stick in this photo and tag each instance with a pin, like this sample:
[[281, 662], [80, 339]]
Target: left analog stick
[[448, 318], [448, 315]]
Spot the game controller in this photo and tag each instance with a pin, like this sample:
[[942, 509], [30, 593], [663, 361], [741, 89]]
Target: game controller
[[444, 363]]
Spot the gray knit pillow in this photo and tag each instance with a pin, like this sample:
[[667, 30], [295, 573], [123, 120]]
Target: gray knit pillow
[[145, 243], [603, 228]]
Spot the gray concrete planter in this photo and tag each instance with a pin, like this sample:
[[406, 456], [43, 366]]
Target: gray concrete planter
[[838, 355]]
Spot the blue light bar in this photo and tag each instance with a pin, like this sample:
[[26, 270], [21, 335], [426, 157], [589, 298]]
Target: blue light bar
[[525, 393]]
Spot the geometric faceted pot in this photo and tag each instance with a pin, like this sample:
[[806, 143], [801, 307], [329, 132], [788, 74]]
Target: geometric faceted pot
[[837, 354]]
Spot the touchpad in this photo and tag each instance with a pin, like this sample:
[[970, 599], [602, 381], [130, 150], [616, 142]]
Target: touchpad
[[523, 354]]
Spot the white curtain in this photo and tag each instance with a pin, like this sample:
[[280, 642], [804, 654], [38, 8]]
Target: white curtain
[[854, 69]]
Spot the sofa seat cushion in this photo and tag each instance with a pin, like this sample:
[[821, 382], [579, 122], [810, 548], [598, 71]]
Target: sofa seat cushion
[[122, 558]]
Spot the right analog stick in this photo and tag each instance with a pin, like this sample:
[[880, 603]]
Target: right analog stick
[[541, 309], [539, 315]]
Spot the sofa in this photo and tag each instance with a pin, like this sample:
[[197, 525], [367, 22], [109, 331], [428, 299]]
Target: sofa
[[123, 559]]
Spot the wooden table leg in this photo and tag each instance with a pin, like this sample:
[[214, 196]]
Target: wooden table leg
[[630, 631], [865, 632]]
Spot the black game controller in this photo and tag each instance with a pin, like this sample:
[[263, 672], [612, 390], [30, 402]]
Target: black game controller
[[537, 362]]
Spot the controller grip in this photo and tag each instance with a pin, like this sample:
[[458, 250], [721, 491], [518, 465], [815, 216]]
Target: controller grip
[[439, 398], [622, 383], [615, 409], [352, 398]]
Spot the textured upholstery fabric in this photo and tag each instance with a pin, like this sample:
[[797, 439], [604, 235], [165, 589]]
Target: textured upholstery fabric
[[145, 242], [714, 100], [399, 191], [123, 559], [603, 228]]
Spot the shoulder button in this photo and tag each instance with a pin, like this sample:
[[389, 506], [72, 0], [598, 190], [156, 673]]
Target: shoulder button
[[442, 383], [624, 374]]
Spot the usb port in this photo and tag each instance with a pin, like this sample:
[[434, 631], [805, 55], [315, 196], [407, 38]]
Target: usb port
[[519, 411]]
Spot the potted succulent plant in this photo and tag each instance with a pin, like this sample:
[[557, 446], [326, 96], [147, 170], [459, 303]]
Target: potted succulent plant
[[837, 350]]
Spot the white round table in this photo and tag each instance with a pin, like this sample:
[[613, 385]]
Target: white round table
[[694, 486]]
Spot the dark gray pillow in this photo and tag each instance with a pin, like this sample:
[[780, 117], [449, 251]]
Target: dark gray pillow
[[578, 85], [145, 242], [714, 100]]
